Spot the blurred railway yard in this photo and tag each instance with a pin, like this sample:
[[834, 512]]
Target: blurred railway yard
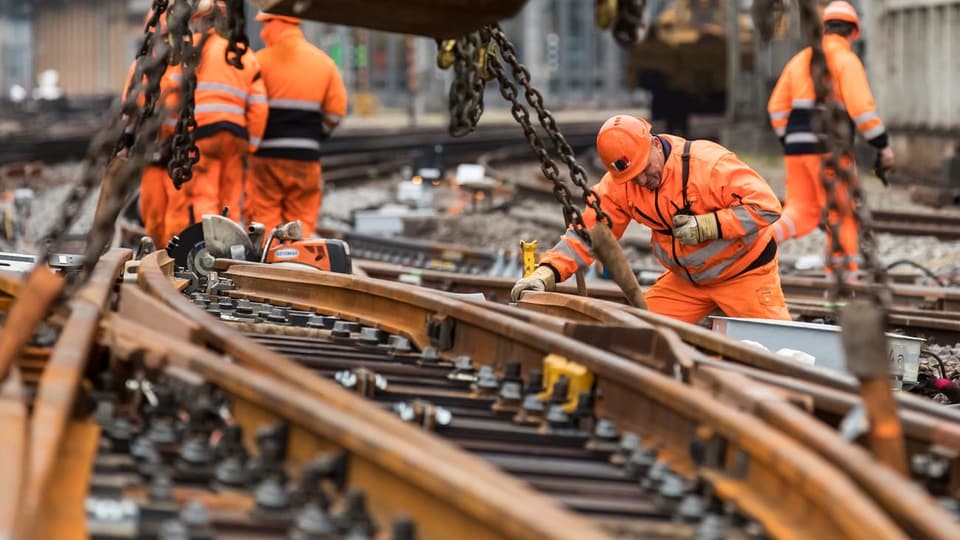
[[420, 363]]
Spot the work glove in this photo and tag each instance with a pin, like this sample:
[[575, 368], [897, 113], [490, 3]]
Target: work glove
[[883, 165], [542, 279], [691, 230]]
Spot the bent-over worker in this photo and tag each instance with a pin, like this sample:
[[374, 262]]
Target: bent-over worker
[[710, 214]]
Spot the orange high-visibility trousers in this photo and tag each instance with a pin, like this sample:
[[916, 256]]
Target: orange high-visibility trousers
[[217, 182], [754, 294], [803, 210], [153, 202], [283, 190]]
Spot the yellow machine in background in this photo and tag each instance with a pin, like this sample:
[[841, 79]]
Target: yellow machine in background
[[682, 60]]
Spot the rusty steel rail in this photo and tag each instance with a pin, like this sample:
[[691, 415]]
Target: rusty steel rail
[[943, 225], [730, 351], [637, 398], [774, 398], [50, 443], [911, 300], [427, 479]]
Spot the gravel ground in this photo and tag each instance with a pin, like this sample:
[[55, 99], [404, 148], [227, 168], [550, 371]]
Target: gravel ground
[[533, 220]]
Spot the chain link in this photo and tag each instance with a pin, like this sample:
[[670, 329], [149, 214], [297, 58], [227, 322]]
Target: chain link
[[238, 41], [137, 139], [184, 151], [150, 63], [845, 198], [535, 100], [466, 92], [767, 15], [626, 29]]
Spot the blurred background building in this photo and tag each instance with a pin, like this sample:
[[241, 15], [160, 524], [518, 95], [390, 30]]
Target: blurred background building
[[698, 58]]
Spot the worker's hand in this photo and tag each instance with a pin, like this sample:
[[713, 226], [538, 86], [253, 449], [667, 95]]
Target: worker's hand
[[886, 157], [691, 230], [883, 165], [542, 279]]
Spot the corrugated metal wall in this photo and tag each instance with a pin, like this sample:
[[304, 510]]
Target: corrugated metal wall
[[914, 65], [89, 42]]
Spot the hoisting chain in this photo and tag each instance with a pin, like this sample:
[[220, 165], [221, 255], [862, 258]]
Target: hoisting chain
[[535, 99], [237, 40], [477, 58], [466, 92], [845, 199], [151, 63], [767, 15], [624, 16], [185, 153]]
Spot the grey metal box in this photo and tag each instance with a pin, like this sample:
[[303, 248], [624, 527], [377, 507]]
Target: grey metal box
[[820, 340]]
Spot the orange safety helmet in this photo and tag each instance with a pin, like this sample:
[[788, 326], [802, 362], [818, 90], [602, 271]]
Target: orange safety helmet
[[839, 10], [624, 146], [263, 17]]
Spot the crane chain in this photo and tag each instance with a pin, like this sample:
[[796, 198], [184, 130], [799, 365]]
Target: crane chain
[[238, 42], [139, 141], [150, 63], [184, 151], [845, 197], [535, 99], [466, 92], [767, 16]]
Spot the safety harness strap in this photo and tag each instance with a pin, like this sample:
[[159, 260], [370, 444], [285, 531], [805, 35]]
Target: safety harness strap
[[685, 173]]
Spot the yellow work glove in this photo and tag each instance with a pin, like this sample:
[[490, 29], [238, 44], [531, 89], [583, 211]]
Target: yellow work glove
[[542, 279], [691, 230]]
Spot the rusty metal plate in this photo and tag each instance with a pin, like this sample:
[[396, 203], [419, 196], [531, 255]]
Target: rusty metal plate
[[433, 18]]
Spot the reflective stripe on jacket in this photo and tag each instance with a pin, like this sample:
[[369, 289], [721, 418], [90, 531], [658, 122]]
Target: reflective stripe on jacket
[[719, 183], [307, 97], [227, 98], [791, 103]]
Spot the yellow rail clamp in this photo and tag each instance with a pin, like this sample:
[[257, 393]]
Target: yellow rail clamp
[[581, 380], [529, 257]]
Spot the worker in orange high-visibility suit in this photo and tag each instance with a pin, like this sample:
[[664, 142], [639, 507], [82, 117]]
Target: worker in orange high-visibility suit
[[307, 100], [710, 215], [155, 181], [231, 114], [791, 107]]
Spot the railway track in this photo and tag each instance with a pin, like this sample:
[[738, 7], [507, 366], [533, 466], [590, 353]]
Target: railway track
[[929, 312], [323, 402], [942, 225]]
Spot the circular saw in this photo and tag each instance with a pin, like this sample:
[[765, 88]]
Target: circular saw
[[215, 237]]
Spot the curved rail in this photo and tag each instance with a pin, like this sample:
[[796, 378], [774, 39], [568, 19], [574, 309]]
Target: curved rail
[[51, 430], [901, 498], [670, 415], [429, 479]]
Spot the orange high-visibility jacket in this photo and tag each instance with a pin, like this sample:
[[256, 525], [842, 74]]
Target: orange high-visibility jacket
[[719, 183], [791, 103], [227, 98], [304, 89]]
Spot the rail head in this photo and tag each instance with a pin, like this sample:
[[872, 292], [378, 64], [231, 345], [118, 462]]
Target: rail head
[[636, 398], [450, 478]]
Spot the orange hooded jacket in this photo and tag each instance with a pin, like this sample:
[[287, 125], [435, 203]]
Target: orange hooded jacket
[[307, 96], [791, 103]]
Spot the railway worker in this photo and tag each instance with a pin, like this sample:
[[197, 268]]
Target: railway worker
[[307, 100], [790, 108], [710, 215], [231, 115], [155, 181]]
